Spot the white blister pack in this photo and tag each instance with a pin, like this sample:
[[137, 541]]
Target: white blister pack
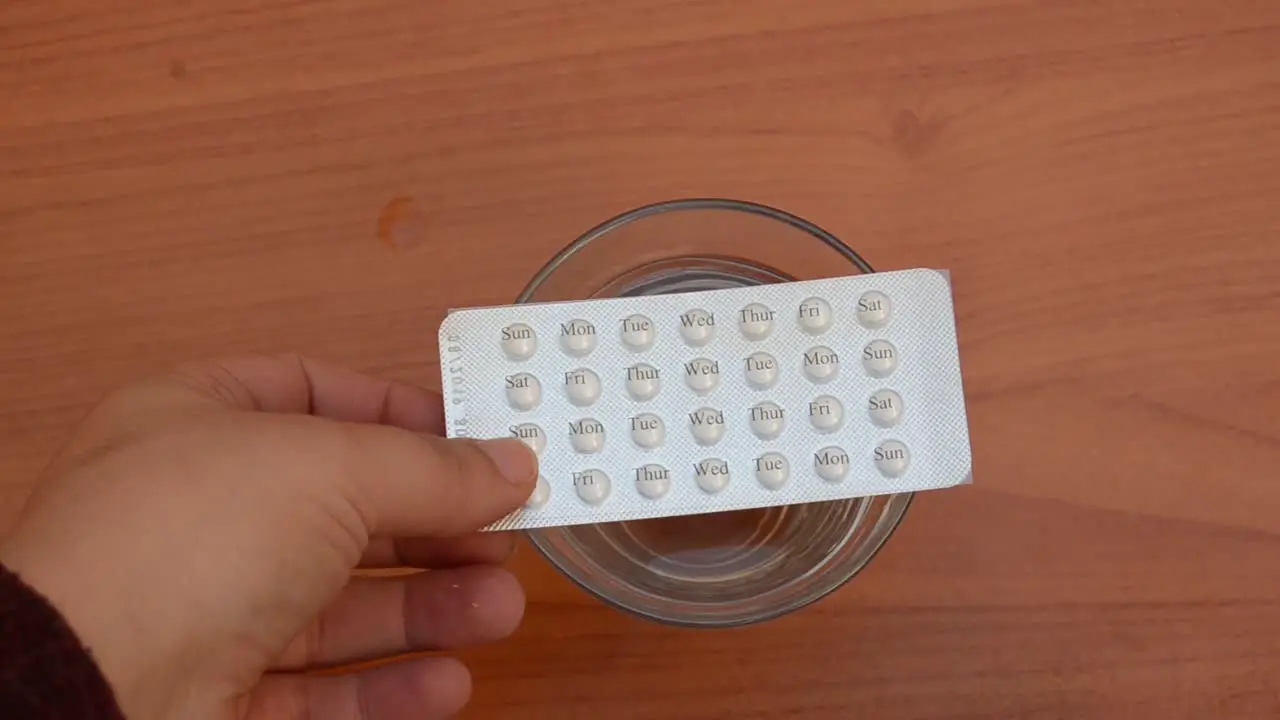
[[720, 400]]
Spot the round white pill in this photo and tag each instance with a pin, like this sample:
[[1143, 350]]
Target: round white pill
[[874, 309], [582, 386], [831, 464], [892, 458], [702, 375], [653, 481], [815, 315], [880, 358], [519, 342], [755, 321], [643, 382], [762, 370], [697, 327], [532, 435], [826, 414], [885, 408], [767, 421], [637, 332], [524, 392], [821, 364], [541, 493], [772, 470], [593, 486], [707, 425], [586, 435], [712, 475], [647, 430], [578, 337]]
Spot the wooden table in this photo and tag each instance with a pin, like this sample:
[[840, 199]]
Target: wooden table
[[1101, 176]]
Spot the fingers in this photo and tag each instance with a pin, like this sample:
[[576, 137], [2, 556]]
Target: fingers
[[380, 617], [433, 687], [294, 384], [490, 548], [403, 483], [412, 483]]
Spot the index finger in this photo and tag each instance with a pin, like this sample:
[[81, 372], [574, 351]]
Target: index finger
[[297, 384]]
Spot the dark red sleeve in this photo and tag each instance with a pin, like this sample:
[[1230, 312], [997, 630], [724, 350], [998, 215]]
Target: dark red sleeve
[[44, 670]]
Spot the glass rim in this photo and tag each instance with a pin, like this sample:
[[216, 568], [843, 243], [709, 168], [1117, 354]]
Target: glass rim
[[707, 203]]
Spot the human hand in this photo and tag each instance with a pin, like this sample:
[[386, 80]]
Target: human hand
[[200, 530]]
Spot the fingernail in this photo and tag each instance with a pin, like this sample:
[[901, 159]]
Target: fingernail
[[514, 459]]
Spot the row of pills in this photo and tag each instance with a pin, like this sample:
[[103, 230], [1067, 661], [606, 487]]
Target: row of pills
[[707, 425], [701, 375], [772, 471], [697, 327]]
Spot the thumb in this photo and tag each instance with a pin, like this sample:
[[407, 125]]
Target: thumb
[[424, 485]]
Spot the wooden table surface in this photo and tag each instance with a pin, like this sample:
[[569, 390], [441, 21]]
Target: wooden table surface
[[1101, 176]]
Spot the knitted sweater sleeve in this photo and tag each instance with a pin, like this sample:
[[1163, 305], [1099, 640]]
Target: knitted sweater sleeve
[[45, 671]]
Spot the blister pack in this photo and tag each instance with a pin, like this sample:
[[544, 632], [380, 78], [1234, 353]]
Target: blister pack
[[720, 400]]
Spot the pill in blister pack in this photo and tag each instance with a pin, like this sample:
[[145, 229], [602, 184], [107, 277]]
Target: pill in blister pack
[[719, 400]]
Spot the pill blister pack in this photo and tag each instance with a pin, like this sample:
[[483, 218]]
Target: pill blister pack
[[720, 400]]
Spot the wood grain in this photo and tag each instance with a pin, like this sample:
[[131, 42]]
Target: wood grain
[[1101, 176]]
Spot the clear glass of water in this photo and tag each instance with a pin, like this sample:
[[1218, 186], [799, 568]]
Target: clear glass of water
[[720, 569]]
